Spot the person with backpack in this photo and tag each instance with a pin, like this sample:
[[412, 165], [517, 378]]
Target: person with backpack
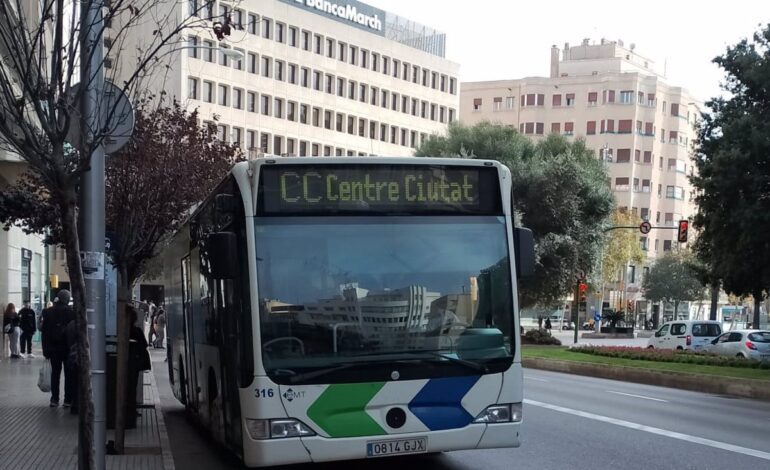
[[27, 323], [55, 320]]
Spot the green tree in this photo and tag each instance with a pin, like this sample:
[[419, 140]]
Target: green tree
[[560, 191], [672, 279], [622, 247], [733, 176]]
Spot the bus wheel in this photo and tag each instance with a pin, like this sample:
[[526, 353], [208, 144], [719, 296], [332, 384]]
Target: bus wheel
[[182, 384]]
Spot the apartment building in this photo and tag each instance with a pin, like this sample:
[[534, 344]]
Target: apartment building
[[620, 103]]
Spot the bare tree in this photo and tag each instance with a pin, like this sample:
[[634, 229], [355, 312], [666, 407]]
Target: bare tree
[[43, 53]]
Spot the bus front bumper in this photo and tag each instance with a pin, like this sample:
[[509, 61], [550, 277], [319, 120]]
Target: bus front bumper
[[263, 453]]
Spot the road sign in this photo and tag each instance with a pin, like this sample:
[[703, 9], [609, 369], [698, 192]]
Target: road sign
[[117, 117], [597, 317], [645, 227]]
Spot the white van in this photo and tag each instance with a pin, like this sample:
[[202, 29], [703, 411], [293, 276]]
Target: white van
[[685, 334]]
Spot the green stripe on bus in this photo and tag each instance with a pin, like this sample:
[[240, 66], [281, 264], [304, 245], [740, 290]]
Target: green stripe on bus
[[341, 410]]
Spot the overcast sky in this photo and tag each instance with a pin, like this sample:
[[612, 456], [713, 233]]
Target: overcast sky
[[499, 39]]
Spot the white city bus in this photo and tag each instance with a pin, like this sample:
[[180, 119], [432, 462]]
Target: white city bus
[[326, 309]]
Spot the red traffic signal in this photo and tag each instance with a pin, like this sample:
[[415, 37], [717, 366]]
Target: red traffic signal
[[582, 287], [681, 235]]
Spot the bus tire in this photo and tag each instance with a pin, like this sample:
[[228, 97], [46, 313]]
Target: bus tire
[[182, 384]]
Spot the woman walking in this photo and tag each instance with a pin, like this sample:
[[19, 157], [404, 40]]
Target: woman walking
[[11, 328]]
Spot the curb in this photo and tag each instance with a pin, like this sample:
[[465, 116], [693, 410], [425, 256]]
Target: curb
[[734, 387], [165, 445]]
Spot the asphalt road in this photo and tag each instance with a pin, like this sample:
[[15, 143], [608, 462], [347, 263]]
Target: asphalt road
[[571, 422]]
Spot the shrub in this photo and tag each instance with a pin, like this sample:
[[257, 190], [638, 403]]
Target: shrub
[[670, 355], [539, 337]]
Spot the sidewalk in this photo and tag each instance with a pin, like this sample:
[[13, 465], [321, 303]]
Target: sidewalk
[[35, 436]]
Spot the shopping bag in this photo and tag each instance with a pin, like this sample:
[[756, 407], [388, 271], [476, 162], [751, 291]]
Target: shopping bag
[[44, 377]]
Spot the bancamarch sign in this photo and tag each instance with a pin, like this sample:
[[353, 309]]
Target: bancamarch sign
[[360, 14]]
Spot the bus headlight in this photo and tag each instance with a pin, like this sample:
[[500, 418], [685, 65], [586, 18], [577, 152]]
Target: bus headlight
[[261, 429], [507, 413]]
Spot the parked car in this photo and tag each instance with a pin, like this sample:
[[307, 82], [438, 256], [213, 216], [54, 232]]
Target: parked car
[[747, 344], [685, 334]]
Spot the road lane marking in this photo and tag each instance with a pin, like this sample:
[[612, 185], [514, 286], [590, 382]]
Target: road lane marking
[[636, 396], [653, 430], [535, 378]]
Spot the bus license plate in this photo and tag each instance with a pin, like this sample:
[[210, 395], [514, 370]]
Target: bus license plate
[[415, 445]]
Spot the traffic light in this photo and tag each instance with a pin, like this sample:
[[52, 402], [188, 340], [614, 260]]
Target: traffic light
[[681, 235], [583, 288]]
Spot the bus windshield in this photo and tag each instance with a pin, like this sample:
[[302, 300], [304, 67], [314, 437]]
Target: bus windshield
[[355, 295]]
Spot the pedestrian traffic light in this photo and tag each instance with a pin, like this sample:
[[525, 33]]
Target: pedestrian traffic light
[[681, 235], [583, 288]]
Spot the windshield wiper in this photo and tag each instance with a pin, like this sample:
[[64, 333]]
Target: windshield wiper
[[454, 360], [320, 372]]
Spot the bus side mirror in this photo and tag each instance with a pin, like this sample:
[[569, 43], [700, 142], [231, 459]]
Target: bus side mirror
[[524, 250], [223, 255]]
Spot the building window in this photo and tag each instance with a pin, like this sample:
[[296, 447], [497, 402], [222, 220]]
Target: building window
[[252, 62], [624, 126], [497, 103], [293, 33], [237, 98], [570, 99], [237, 136], [238, 63], [675, 192], [316, 80], [251, 102], [278, 108], [293, 74], [608, 96], [647, 157], [192, 88], [623, 155], [539, 128], [222, 133], [327, 119], [305, 72], [223, 59], [626, 97], [266, 66], [208, 92], [556, 128], [666, 245], [555, 100], [330, 48], [351, 124], [280, 32], [453, 86], [267, 28], [364, 58], [375, 62], [591, 127], [362, 92], [592, 98], [279, 67], [305, 40], [646, 184], [476, 104], [253, 24], [509, 102], [264, 105], [339, 122], [208, 52], [303, 109], [191, 52], [621, 184], [223, 92], [353, 55], [569, 128], [318, 44]]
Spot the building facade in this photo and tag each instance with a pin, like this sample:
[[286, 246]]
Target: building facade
[[619, 103], [310, 77]]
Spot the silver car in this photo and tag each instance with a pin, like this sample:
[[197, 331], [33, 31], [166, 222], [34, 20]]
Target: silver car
[[747, 344]]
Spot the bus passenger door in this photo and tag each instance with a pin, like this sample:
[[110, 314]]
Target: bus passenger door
[[188, 368]]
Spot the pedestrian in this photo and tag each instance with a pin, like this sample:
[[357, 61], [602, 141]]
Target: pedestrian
[[138, 361], [539, 322], [27, 323], [48, 305], [55, 320], [11, 328], [151, 333], [160, 328], [548, 325]]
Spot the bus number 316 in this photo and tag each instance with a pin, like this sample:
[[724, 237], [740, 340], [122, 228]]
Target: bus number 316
[[264, 393]]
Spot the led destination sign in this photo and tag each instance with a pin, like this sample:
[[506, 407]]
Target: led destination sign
[[300, 189]]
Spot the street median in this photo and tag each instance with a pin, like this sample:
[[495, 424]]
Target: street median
[[713, 384]]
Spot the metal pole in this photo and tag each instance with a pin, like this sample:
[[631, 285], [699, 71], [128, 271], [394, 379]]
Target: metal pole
[[91, 221], [576, 310]]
